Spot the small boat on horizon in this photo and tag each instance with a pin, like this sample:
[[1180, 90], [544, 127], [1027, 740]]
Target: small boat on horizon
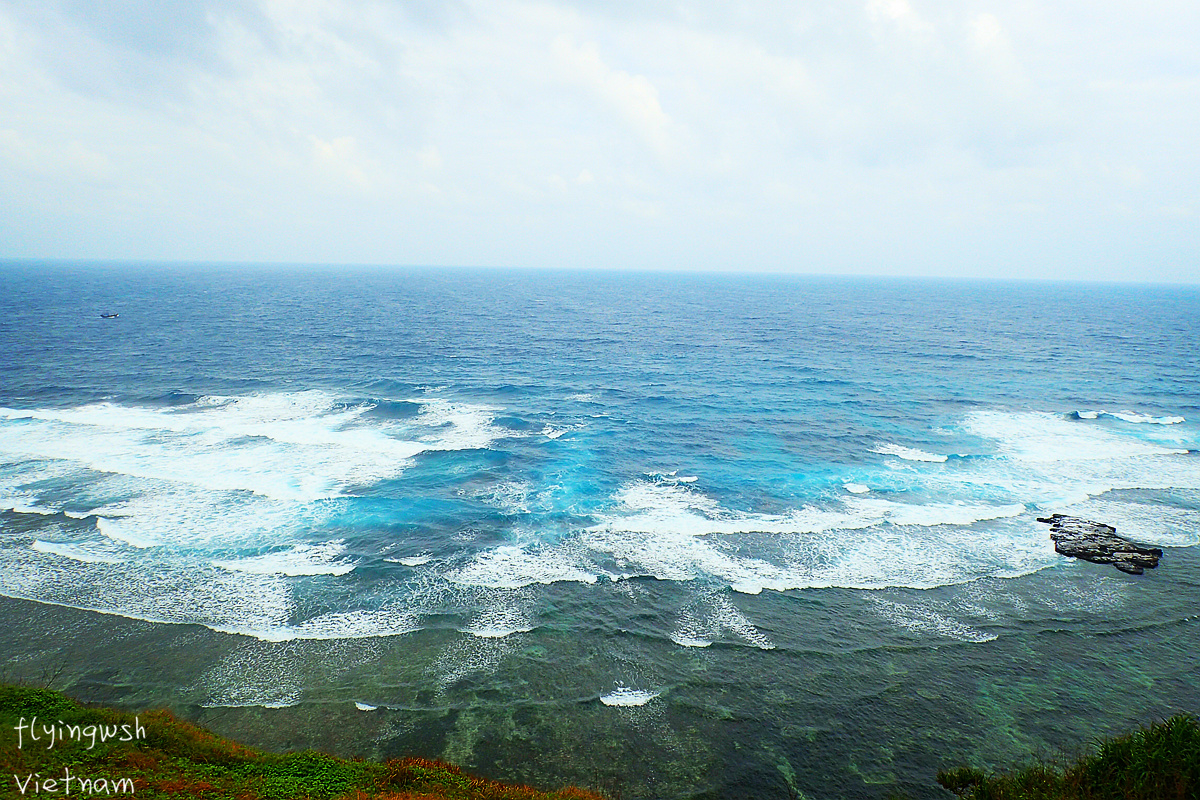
[[109, 316]]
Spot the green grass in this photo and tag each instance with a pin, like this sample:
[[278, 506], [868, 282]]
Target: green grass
[[178, 759], [1161, 762]]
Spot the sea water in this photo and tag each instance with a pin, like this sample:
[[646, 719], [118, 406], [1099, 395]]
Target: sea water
[[681, 534]]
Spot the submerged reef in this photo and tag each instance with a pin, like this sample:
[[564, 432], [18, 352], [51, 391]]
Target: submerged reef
[[1099, 543], [53, 745]]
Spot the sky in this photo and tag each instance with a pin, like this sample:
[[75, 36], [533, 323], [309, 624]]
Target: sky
[[973, 138]]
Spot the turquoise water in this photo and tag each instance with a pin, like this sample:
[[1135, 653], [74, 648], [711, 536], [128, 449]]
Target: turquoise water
[[730, 533]]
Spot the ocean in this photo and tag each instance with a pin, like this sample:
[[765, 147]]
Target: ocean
[[662, 535]]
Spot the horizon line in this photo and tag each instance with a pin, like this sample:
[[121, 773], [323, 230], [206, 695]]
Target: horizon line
[[724, 272]]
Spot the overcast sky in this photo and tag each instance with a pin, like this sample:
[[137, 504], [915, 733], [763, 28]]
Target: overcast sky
[[924, 137]]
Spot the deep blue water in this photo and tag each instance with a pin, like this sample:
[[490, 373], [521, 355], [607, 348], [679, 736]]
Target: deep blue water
[[755, 530]]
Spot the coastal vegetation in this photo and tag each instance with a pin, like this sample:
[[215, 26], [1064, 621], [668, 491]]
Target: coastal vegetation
[[51, 746], [1159, 762]]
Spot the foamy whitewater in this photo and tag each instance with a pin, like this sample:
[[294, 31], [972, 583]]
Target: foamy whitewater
[[709, 465]]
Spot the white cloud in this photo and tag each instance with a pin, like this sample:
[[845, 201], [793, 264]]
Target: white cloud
[[992, 46], [987, 34], [633, 97], [429, 158], [69, 161], [901, 16], [887, 135], [340, 159]]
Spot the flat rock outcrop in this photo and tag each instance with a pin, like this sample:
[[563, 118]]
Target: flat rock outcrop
[[1099, 543]]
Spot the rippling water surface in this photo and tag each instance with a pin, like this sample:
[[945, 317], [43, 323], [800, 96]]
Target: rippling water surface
[[681, 535]]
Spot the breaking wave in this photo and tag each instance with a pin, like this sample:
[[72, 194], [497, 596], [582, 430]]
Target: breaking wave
[[231, 512]]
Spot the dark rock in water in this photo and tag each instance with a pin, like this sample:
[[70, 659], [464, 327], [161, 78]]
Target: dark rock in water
[[1099, 543]]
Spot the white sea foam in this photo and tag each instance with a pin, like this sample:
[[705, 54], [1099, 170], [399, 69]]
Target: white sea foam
[[24, 505], [551, 432], [672, 477], [1045, 437], [512, 496], [76, 552], [1088, 592], [169, 590], [684, 640], [459, 426], [153, 565], [512, 567], [728, 617], [252, 675], [489, 632], [201, 484], [411, 561], [673, 533], [507, 613], [961, 514], [467, 656], [1131, 416], [298, 418], [365, 707], [625, 696], [165, 513], [299, 446], [667, 542], [906, 453], [929, 620], [357, 624], [209, 455], [1165, 526], [1052, 462], [712, 616], [665, 508], [301, 559], [120, 531]]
